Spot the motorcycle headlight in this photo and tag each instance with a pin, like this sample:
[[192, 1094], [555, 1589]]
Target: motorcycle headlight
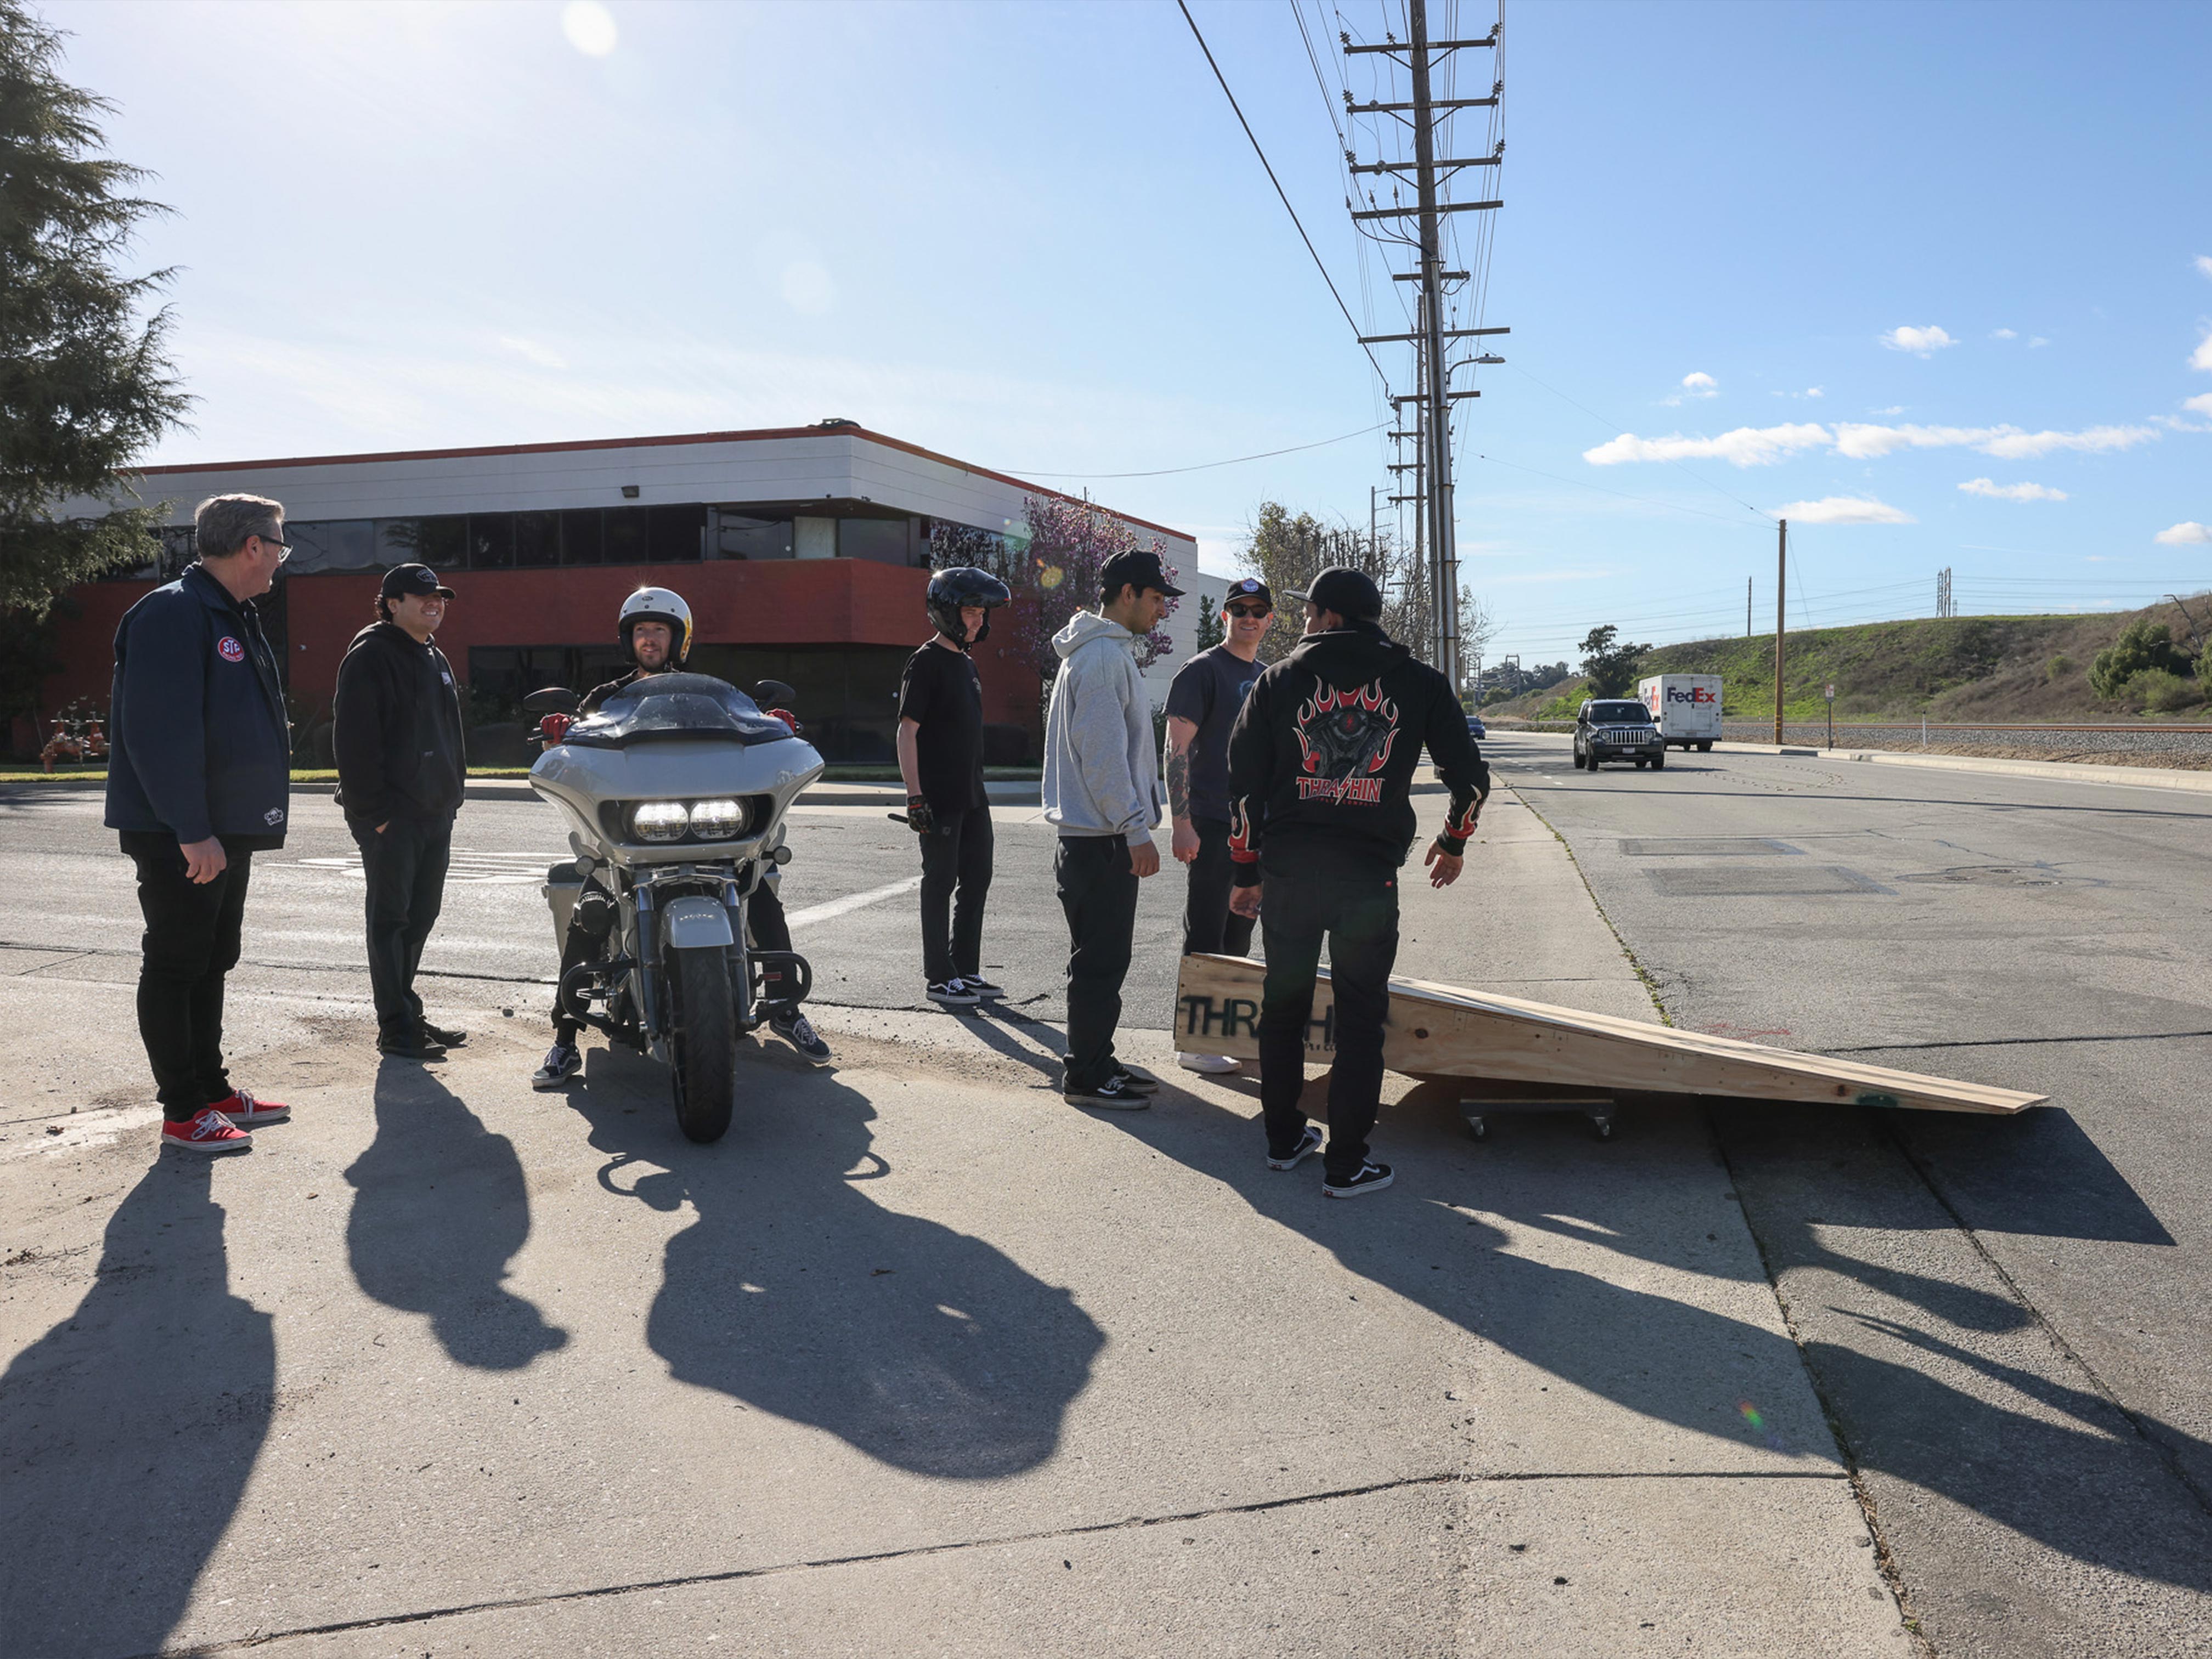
[[659, 820], [718, 820]]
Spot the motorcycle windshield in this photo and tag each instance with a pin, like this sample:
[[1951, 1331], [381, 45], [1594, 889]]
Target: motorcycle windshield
[[661, 707]]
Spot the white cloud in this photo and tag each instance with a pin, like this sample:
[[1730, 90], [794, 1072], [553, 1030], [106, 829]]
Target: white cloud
[[2003, 334], [1746, 445], [590, 28], [2186, 533], [1844, 510], [2200, 405], [544, 356], [1699, 384], [1814, 392], [1856, 441], [1926, 342], [2018, 492], [2011, 445], [1894, 408], [2201, 357], [2204, 264], [2038, 341]]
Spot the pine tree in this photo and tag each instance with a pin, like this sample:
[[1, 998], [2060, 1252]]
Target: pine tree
[[85, 385]]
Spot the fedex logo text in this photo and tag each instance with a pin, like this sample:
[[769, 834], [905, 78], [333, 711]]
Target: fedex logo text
[[1691, 694]]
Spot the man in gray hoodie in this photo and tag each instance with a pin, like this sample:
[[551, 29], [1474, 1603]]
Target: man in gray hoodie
[[1101, 793]]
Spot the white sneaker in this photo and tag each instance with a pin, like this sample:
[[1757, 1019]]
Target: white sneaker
[[1213, 1065]]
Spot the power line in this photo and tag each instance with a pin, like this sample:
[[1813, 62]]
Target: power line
[[1276, 182], [1234, 461]]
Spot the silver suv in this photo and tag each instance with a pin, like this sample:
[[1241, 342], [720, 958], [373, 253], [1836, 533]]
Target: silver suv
[[1617, 729]]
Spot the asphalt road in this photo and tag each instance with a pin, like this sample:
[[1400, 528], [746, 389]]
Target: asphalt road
[[2007, 1319]]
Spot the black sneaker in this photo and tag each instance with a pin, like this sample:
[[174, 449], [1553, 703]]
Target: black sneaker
[[798, 1031], [409, 1046], [1114, 1094], [562, 1063], [952, 992], [1143, 1083], [442, 1037], [983, 987], [1309, 1144], [1371, 1178]]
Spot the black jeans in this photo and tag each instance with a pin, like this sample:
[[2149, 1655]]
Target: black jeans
[[191, 942], [1209, 927], [956, 858], [405, 867], [1359, 915], [1097, 890]]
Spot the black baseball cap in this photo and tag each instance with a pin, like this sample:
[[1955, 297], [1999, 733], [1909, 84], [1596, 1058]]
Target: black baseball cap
[[1251, 588], [1137, 570], [1352, 594], [412, 579]]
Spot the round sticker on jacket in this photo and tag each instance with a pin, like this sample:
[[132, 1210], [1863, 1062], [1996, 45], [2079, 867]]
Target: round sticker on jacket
[[229, 649]]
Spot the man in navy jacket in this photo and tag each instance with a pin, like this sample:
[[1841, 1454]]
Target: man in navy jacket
[[199, 778]]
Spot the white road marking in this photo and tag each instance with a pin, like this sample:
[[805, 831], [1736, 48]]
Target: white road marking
[[814, 913], [469, 868]]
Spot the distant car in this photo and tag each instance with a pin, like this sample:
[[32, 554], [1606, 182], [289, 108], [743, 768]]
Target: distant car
[[1617, 729], [1475, 728]]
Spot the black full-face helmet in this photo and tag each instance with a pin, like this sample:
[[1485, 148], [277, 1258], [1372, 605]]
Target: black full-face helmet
[[952, 590]]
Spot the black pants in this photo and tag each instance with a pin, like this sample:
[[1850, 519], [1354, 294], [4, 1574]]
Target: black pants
[[956, 859], [1359, 915], [593, 920], [1097, 890], [191, 942], [406, 870], [1209, 927]]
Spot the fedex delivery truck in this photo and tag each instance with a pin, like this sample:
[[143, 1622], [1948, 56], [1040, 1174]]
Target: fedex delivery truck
[[1687, 706]]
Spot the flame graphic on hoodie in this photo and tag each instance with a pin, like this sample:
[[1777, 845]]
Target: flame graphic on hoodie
[[1349, 733]]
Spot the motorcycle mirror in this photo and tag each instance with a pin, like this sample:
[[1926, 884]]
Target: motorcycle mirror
[[553, 700], [774, 693]]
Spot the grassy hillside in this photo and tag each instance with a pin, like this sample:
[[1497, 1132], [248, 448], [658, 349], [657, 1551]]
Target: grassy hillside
[[1957, 668]]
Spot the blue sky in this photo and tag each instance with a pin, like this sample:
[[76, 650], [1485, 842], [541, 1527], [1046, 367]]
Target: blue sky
[[1933, 276]]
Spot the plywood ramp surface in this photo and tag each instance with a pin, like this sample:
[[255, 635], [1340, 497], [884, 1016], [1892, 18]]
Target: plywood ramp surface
[[1444, 1031]]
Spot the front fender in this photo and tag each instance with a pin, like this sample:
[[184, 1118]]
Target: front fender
[[694, 923]]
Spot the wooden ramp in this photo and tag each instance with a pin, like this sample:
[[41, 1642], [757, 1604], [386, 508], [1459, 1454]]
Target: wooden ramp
[[1442, 1031]]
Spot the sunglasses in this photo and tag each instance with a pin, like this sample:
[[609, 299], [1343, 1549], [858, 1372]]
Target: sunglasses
[[1248, 611]]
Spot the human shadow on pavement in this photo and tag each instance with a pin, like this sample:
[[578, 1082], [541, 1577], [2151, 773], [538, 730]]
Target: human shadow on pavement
[[799, 1289], [2086, 1485], [440, 1209], [129, 1431]]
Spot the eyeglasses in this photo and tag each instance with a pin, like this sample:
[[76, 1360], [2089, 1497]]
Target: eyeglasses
[[1247, 610], [283, 549]]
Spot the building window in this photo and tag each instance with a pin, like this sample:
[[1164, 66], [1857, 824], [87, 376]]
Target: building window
[[581, 542], [625, 530], [537, 540], [331, 544], [885, 541], [491, 541], [737, 536], [442, 542], [676, 534]]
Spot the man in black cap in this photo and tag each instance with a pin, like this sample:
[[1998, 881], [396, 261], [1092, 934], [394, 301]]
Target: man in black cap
[[1320, 768], [397, 727], [1101, 793], [1203, 703]]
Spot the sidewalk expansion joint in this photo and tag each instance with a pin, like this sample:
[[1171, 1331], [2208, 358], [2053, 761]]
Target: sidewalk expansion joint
[[1132, 1523], [2018, 1041]]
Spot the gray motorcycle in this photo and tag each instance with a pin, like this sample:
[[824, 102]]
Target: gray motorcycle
[[674, 792]]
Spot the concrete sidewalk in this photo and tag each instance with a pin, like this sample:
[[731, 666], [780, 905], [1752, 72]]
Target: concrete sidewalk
[[918, 1360]]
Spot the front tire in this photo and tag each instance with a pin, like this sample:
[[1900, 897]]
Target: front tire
[[1659, 760], [702, 1041]]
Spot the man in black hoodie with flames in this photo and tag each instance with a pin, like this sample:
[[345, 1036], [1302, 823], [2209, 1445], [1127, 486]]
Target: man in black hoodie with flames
[[1320, 764]]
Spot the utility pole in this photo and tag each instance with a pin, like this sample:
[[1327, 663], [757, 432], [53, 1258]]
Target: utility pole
[[1781, 584], [1443, 593], [1747, 607]]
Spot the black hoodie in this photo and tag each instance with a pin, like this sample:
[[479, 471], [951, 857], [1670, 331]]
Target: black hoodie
[[1321, 759], [397, 728]]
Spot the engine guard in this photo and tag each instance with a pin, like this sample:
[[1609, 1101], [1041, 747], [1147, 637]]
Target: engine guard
[[781, 976]]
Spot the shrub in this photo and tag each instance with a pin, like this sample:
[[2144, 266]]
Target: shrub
[[2161, 691], [2059, 667], [2144, 645]]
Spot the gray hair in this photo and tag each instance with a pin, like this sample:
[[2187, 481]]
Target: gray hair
[[222, 523]]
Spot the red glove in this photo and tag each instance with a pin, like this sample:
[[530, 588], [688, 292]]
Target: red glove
[[788, 718], [554, 727]]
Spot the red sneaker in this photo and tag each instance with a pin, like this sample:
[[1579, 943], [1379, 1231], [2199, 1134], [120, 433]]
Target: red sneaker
[[210, 1132], [247, 1112]]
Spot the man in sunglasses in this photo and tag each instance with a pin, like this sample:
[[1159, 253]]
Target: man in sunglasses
[[1202, 705]]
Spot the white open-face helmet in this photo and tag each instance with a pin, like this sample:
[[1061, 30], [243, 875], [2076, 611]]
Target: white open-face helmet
[[659, 604]]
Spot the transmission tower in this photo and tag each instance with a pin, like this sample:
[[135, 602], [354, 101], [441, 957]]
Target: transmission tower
[[1944, 605]]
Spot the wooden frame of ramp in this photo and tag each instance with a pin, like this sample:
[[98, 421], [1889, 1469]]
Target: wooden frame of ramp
[[1444, 1031]]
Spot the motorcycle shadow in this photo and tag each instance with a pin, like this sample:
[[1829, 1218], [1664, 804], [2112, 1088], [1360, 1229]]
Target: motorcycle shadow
[[799, 1289]]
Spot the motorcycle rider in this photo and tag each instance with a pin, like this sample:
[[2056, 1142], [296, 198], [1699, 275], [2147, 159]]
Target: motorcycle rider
[[654, 625]]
